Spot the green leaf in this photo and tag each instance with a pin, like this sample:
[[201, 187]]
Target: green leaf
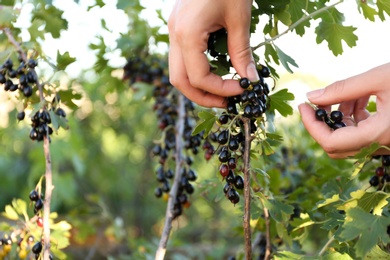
[[334, 219], [207, 123], [7, 16], [285, 59], [64, 60], [278, 210], [371, 229], [35, 29], [383, 7], [371, 107], [378, 253], [278, 101], [10, 213], [296, 9], [220, 66], [328, 201], [286, 255], [53, 19], [334, 33], [368, 12]]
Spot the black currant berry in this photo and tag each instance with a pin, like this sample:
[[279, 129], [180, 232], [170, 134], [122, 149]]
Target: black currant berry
[[245, 83], [321, 114], [158, 192], [239, 182], [338, 125], [224, 156], [336, 116], [8, 64], [3, 79], [230, 178], [60, 112], [226, 188], [386, 160], [223, 137], [224, 170], [38, 204], [233, 196], [191, 175], [37, 248], [374, 181], [27, 91], [32, 63], [34, 196], [223, 119], [264, 71], [233, 144], [20, 116]]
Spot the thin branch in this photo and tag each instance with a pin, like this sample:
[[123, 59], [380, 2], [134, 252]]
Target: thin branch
[[268, 245], [247, 190], [294, 25], [161, 250], [330, 241], [46, 148]]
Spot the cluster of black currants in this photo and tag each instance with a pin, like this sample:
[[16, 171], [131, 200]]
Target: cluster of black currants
[[381, 178], [151, 70], [23, 77], [334, 119], [36, 198], [251, 104]]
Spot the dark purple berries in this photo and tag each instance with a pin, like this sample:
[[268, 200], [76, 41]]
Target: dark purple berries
[[245, 83], [334, 120]]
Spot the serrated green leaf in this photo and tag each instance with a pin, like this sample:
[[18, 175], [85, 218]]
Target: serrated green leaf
[[285, 59], [53, 19], [370, 229], [63, 60], [278, 101], [270, 52], [267, 148], [334, 33], [383, 7], [334, 219], [207, 123], [35, 29], [368, 11]]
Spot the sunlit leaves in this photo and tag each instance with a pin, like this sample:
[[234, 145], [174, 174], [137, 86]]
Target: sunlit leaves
[[278, 101], [370, 229], [335, 33], [52, 16]]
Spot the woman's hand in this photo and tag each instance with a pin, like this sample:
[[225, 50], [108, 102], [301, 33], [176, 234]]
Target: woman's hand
[[190, 25], [353, 95]]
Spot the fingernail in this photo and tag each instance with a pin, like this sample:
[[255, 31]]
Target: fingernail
[[251, 72], [315, 93]]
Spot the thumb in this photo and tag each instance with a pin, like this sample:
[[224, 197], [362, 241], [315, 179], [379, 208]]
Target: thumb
[[344, 90], [241, 53]]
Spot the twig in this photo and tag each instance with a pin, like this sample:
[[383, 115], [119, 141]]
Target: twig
[[161, 250], [247, 190], [330, 241], [294, 25], [46, 149], [268, 245]]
